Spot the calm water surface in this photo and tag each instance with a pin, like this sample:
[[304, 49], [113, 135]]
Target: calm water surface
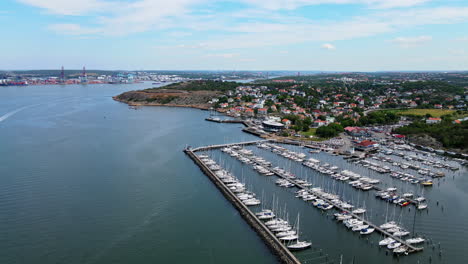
[[85, 179]]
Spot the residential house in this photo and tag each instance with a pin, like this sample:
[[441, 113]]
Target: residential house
[[433, 120]]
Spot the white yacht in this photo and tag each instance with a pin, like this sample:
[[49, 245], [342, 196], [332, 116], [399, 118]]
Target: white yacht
[[386, 241], [367, 231], [393, 245], [400, 250], [252, 202], [388, 225], [286, 233], [359, 211], [289, 238], [416, 240], [357, 228], [401, 233], [300, 245], [422, 206]]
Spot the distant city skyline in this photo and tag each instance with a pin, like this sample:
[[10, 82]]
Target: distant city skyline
[[294, 35]]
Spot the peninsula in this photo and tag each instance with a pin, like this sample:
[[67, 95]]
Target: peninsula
[[195, 94]]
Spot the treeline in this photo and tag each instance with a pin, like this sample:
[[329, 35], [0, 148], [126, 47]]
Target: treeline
[[449, 134], [332, 130], [439, 87], [299, 124], [203, 85], [379, 118]]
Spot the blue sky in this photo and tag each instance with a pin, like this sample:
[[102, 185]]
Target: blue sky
[[326, 35]]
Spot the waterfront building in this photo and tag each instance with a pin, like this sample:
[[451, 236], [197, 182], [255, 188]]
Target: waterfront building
[[272, 126], [366, 145]]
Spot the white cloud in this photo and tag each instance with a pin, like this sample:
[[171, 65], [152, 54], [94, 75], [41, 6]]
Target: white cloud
[[294, 4], [328, 46], [73, 29], [264, 26], [73, 7], [83, 7], [180, 34], [278, 33], [410, 42], [224, 55]]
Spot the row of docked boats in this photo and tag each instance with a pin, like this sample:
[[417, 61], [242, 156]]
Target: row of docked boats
[[357, 181], [364, 183], [356, 225], [247, 157], [405, 165], [299, 157], [396, 174], [283, 230], [231, 182], [425, 157], [398, 232], [428, 158], [315, 197], [374, 166]]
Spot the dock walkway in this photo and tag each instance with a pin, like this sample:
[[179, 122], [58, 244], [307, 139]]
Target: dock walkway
[[205, 148]]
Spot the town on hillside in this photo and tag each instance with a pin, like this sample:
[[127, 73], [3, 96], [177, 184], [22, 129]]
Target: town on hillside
[[368, 108]]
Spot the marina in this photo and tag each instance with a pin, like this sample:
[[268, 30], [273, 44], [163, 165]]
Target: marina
[[393, 236]]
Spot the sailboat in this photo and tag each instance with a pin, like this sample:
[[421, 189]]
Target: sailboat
[[299, 245]]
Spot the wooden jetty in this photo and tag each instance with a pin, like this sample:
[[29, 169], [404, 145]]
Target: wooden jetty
[[274, 244]]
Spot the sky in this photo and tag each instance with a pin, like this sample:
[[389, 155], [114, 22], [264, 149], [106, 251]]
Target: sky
[[313, 35]]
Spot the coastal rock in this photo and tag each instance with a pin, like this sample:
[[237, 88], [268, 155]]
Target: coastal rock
[[425, 140]]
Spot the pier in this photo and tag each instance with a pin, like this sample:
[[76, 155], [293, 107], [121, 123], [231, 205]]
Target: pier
[[230, 145], [274, 244], [229, 121]]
